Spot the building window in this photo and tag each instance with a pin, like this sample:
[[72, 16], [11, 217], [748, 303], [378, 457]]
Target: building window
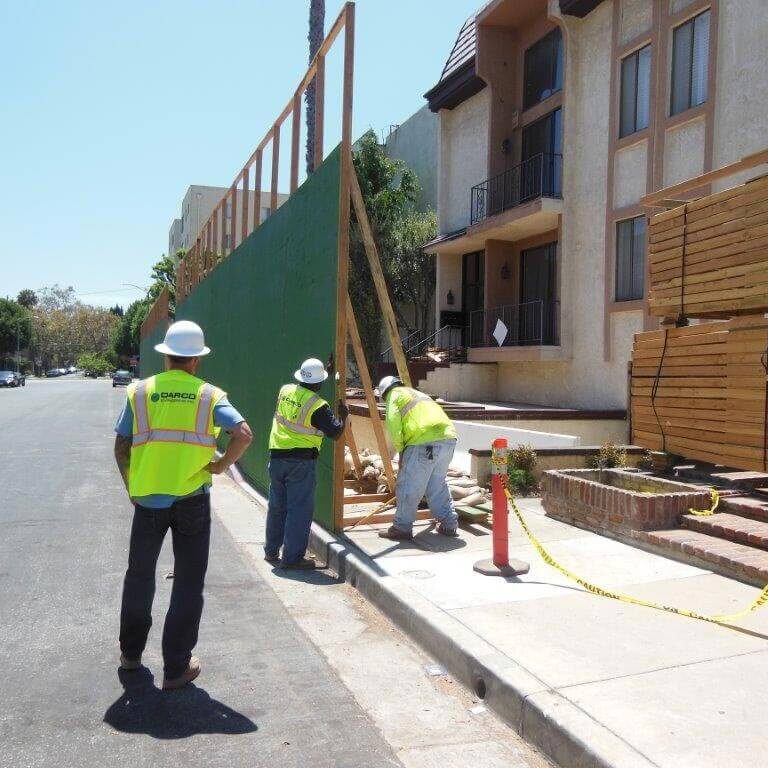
[[635, 91], [690, 64], [630, 259], [543, 69]]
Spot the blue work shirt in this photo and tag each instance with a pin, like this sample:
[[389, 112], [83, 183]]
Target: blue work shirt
[[224, 415]]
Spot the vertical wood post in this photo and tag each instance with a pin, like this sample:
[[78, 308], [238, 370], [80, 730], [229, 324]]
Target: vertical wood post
[[295, 138], [257, 189], [275, 168], [320, 107], [343, 254], [244, 204], [233, 219]]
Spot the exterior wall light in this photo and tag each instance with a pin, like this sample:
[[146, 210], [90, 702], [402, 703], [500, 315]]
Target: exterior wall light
[[449, 299], [505, 274]]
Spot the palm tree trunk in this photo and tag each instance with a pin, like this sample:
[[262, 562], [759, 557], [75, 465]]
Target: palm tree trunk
[[315, 37]]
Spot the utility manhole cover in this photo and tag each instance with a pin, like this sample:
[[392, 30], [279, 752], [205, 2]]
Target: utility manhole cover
[[417, 574]]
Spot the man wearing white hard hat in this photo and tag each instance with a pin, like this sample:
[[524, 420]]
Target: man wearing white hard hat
[[425, 438], [302, 419], [165, 450]]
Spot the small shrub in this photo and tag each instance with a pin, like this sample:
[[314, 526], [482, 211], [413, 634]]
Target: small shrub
[[609, 457], [646, 460], [520, 481], [522, 457]]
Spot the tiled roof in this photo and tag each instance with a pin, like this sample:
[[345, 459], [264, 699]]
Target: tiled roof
[[463, 49]]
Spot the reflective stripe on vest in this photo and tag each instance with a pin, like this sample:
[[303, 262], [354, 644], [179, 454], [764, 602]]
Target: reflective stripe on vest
[[419, 397], [146, 435], [298, 425]]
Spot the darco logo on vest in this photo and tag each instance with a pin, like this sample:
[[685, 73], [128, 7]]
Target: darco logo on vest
[[173, 396]]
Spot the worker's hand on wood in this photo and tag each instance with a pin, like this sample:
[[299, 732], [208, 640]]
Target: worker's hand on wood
[[343, 410]]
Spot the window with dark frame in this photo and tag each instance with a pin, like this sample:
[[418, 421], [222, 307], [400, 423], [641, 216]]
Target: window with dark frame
[[630, 259], [635, 91], [690, 64], [543, 69]]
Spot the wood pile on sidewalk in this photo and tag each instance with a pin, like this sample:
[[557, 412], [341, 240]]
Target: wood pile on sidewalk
[[699, 390], [709, 257]]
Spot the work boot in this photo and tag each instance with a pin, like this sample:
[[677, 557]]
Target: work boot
[[444, 530], [129, 665], [396, 534], [274, 559], [305, 564], [187, 676]]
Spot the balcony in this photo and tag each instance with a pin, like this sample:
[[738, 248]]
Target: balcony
[[516, 332], [539, 176]]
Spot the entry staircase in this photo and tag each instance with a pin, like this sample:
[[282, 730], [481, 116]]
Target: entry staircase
[[426, 352], [733, 541]]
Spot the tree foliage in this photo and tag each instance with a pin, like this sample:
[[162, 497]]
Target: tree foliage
[[14, 319], [27, 298], [94, 364], [390, 190]]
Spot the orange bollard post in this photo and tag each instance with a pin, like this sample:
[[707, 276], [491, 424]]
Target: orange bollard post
[[499, 564]]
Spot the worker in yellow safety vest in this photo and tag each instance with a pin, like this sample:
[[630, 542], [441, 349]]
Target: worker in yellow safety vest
[[425, 438], [165, 450], [302, 419]]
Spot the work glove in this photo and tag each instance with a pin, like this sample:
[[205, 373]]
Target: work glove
[[343, 410]]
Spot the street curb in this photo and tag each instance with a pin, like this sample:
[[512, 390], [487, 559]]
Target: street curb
[[542, 716]]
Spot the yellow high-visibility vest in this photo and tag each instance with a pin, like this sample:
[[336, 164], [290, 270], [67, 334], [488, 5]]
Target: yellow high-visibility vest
[[292, 425], [174, 437], [413, 418]]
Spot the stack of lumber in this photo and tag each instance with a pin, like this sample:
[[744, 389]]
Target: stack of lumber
[[709, 257], [700, 392]]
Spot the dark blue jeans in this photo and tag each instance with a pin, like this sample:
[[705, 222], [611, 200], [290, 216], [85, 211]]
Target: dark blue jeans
[[190, 523], [291, 507]]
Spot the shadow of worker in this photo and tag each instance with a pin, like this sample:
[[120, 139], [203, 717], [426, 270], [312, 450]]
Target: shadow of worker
[[189, 711]]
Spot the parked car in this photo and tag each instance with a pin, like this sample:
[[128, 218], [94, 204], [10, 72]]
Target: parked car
[[121, 377], [53, 373], [8, 379], [71, 369], [62, 371], [21, 379]]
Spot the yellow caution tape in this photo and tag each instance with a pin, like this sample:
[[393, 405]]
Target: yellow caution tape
[[724, 620], [715, 496]]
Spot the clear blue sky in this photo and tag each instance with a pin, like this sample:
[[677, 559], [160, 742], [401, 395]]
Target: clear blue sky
[[108, 111]]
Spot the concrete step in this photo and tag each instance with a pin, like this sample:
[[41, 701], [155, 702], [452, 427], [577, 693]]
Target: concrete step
[[755, 508], [722, 477], [724, 525], [738, 561]]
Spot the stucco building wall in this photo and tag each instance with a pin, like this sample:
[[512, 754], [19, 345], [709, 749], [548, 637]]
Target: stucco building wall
[[463, 159]]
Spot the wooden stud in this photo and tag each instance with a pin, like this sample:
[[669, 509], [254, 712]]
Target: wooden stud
[[365, 378], [342, 276], [378, 279], [295, 139], [319, 109], [275, 168], [233, 219], [244, 204], [257, 190]]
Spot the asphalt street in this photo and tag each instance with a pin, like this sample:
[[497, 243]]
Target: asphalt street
[[266, 696]]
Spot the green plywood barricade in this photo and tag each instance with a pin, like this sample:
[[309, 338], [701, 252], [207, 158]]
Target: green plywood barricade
[[268, 306], [150, 361]]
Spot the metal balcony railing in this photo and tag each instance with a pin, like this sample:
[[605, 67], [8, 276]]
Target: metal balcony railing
[[533, 323], [539, 176]]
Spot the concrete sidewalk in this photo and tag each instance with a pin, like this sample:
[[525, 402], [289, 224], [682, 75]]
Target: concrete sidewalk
[[591, 681]]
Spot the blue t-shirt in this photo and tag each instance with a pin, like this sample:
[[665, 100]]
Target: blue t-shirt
[[224, 416]]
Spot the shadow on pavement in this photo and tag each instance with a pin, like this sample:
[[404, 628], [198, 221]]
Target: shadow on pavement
[[144, 708], [318, 577]]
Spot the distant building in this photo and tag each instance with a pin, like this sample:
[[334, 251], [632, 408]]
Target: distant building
[[196, 208], [416, 144]]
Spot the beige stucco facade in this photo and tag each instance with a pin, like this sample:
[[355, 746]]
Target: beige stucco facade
[[604, 178]]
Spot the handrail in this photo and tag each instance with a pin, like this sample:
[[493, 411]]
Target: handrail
[[533, 322], [403, 341]]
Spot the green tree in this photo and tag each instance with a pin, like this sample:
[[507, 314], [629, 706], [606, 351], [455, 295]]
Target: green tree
[[27, 298], [15, 327], [94, 364], [390, 190]]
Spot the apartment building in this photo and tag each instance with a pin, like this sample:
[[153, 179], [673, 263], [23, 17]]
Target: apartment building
[[556, 118], [196, 208]]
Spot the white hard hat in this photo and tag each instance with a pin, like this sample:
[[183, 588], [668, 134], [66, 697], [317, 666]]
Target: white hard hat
[[312, 371], [386, 384], [183, 339]]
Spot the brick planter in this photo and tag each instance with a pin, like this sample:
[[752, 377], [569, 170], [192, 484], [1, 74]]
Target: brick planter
[[615, 501]]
